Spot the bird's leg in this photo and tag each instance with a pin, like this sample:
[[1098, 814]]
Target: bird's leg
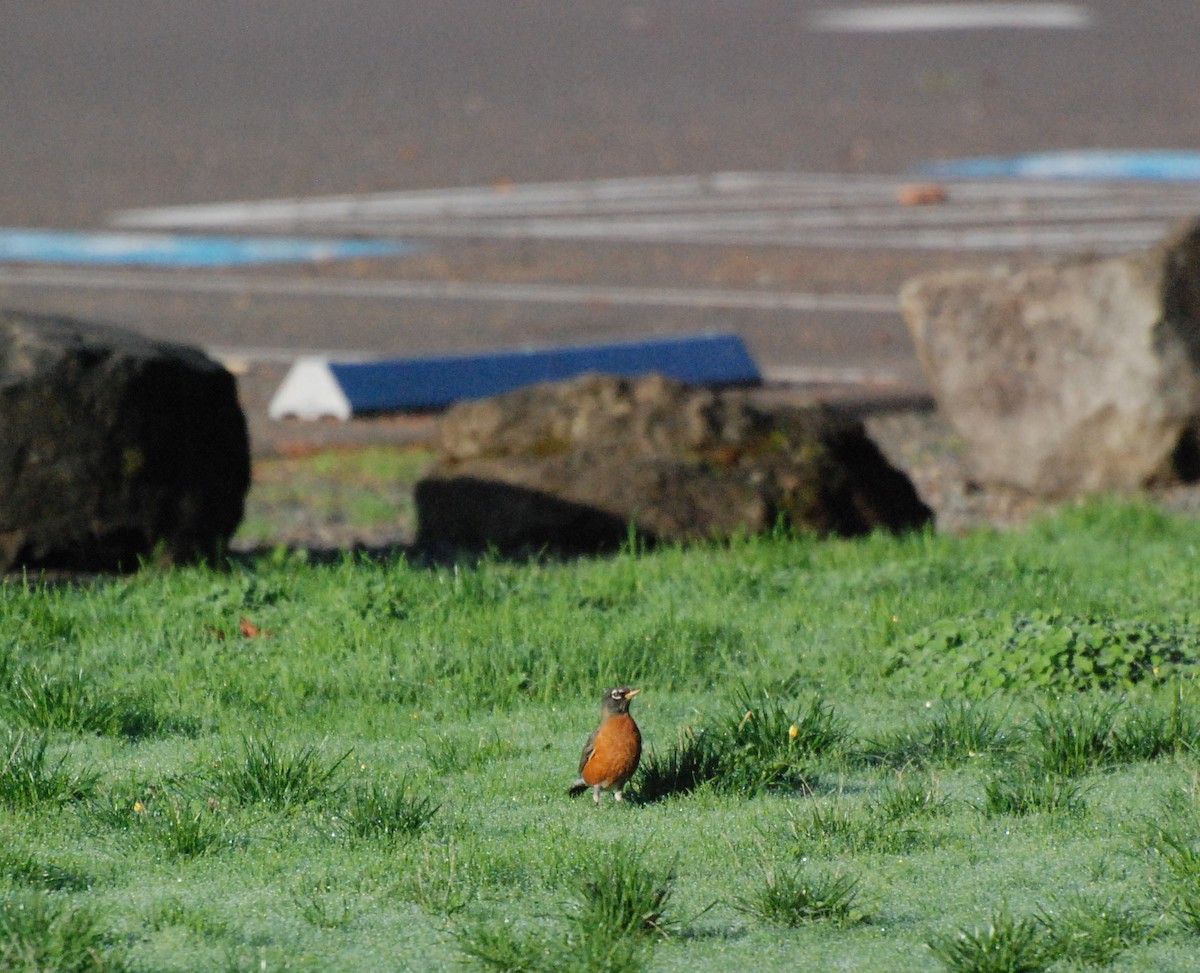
[[596, 793], [618, 794]]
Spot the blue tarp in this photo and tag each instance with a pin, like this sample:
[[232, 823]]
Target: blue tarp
[[433, 383]]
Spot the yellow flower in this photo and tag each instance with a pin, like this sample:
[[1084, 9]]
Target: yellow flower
[[793, 731], [139, 807]]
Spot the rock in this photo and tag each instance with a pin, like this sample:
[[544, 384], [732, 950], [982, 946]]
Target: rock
[[1071, 377], [572, 466], [113, 448]]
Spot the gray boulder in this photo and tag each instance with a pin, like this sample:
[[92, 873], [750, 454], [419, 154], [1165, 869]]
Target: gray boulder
[[1071, 377], [113, 448], [573, 466]]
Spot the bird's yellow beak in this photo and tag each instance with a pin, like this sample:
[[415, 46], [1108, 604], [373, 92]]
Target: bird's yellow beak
[[630, 693]]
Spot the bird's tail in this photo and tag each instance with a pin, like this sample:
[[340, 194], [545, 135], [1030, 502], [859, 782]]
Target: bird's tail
[[578, 787]]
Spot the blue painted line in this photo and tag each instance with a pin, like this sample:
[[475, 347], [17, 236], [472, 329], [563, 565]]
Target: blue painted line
[[171, 250], [1095, 164], [433, 383]]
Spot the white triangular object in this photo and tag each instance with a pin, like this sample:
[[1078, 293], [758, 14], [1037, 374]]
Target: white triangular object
[[309, 391]]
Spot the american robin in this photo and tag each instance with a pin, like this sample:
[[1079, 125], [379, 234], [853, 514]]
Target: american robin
[[612, 752]]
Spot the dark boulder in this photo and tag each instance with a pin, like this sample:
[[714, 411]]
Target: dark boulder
[[114, 448], [574, 466]]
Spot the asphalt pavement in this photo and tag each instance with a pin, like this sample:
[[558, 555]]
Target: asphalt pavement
[[570, 171]]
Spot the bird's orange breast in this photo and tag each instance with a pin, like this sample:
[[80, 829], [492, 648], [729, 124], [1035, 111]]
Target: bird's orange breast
[[618, 748]]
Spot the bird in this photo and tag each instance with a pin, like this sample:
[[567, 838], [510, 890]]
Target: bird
[[612, 752]]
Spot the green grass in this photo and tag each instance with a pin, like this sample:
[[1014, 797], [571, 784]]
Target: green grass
[[1092, 931], [263, 771], [68, 701], [389, 811], [31, 778], [1006, 944], [795, 896], [363, 492], [955, 732], [377, 780], [41, 932], [609, 921], [1023, 788]]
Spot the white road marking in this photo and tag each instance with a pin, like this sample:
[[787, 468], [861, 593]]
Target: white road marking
[[433, 290], [715, 193], [744, 209], [909, 17]]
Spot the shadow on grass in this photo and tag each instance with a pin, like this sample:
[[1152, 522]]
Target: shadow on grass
[[715, 761]]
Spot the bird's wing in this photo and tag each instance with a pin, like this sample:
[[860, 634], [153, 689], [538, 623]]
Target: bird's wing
[[589, 748]]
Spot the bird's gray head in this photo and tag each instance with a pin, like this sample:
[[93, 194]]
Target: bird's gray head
[[617, 700]]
